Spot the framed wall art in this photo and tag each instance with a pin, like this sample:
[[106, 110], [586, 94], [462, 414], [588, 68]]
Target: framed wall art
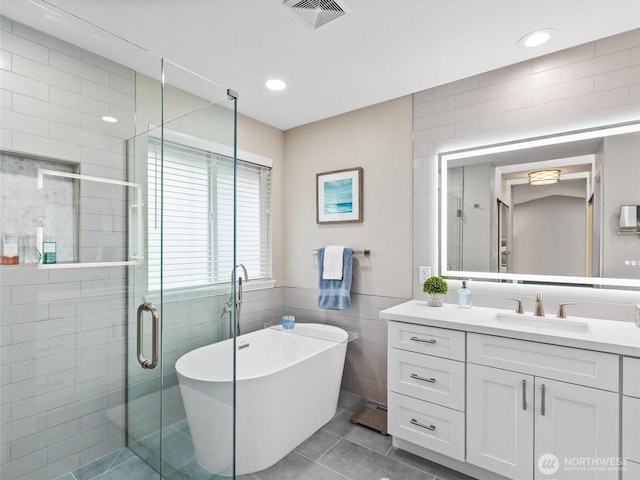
[[339, 196]]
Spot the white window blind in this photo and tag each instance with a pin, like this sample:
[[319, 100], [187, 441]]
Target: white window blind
[[197, 229]]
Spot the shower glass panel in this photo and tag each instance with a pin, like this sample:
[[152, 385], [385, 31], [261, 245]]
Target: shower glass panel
[[188, 259], [76, 214]]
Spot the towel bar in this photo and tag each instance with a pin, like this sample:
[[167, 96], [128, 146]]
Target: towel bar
[[366, 253]]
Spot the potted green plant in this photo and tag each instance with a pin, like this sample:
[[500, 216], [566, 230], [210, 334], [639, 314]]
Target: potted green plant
[[436, 287]]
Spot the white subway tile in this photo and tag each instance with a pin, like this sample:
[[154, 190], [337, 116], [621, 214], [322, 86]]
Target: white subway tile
[[43, 366], [78, 101], [18, 122], [21, 84], [634, 56], [553, 93], [6, 24], [106, 94], [456, 115], [44, 402], [24, 427], [434, 106], [21, 295], [124, 115], [78, 68], [563, 57], [541, 79], [78, 136], [5, 60], [53, 76], [24, 332], [124, 85], [106, 64], [43, 438], [536, 113], [454, 88], [479, 95], [510, 72], [46, 40], [94, 123], [508, 102], [634, 93], [46, 147], [23, 47], [77, 409], [595, 66], [5, 453], [618, 78], [618, 42], [25, 275], [58, 291], [25, 465], [422, 97], [595, 101], [6, 142], [483, 124], [5, 418], [55, 469]]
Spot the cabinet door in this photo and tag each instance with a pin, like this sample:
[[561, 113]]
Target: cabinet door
[[580, 427], [500, 421]]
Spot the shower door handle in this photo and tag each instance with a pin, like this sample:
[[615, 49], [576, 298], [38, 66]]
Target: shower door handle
[[155, 324]]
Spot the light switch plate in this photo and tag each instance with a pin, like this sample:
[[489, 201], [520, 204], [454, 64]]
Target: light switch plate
[[424, 273]]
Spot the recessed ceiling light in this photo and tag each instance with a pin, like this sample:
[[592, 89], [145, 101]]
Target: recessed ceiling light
[[109, 119], [275, 84], [537, 38]]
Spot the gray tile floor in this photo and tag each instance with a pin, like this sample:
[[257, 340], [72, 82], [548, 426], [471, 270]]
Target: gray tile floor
[[338, 451]]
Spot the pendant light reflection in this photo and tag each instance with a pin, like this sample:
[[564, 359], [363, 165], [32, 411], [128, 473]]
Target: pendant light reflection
[[544, 177]]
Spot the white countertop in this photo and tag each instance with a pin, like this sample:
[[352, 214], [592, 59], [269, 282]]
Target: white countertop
[[622, 338]]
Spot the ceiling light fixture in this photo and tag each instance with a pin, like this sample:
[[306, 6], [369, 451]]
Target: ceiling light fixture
[[537, 38], [544, 177], [109, 119], [275, 85]]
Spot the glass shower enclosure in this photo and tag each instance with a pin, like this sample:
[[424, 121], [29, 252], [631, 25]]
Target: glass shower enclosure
[[118, 190]]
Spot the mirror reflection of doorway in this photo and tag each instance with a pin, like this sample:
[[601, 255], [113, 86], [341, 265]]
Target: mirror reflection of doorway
[[504, 242]]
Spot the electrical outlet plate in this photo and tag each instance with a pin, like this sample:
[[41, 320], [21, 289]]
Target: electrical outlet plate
[[424, 273]]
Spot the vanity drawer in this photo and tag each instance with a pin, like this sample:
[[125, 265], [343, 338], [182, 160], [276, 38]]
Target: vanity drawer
[[573, 365], [631, 376], [631, 428], [430, 340], [430, 426], [425, 377]]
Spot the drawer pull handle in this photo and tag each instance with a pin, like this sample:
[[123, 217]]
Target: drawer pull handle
[[423, 340], [542, 406], [418, 377], [524, 394], [418, 424]]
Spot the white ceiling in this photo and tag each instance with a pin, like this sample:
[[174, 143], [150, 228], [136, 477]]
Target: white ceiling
[[380, 50]]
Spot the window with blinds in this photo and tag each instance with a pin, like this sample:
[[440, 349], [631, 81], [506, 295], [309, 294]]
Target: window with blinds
[[197, 217]]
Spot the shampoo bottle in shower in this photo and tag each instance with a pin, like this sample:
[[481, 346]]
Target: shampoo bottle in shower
[[464, 296]]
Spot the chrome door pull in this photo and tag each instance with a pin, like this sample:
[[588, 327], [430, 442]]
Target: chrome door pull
[[418, 377], [524, 394], [542, 404], [422, 425], [423, 340], [155, 323]]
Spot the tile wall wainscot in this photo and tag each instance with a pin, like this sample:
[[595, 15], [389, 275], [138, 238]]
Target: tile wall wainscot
[[365, 370], [63, 331], [592, 84]]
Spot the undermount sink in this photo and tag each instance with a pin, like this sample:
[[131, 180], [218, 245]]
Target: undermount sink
[[545, 323]]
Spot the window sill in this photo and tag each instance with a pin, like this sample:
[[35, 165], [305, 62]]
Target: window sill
[[210, 291]]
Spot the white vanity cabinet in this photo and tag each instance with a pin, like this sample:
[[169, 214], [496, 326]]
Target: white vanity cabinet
[[515, 415], [631, 417], [427, 387]]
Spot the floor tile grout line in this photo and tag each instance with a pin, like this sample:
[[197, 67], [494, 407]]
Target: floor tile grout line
[[329, 449]]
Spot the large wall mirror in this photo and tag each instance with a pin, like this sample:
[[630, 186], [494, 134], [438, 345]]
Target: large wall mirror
[[556, 209]]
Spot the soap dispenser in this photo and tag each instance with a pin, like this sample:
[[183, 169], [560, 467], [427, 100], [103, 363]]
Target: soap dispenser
[[464, 296]]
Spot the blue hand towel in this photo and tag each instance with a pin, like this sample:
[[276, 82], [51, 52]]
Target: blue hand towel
[[335, 294]]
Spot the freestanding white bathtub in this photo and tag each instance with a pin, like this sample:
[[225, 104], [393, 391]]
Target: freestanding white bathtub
[[287, 388]]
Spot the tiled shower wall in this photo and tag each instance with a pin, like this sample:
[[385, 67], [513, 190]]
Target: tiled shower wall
[[597, 83], [63, 331]]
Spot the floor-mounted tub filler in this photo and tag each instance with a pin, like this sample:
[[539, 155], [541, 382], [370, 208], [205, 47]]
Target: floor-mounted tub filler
[[287, 384]]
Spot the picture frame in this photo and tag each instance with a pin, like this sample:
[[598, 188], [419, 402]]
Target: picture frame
[[339, 196]]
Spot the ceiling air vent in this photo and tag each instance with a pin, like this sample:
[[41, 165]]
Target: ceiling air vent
[[316, 13]]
